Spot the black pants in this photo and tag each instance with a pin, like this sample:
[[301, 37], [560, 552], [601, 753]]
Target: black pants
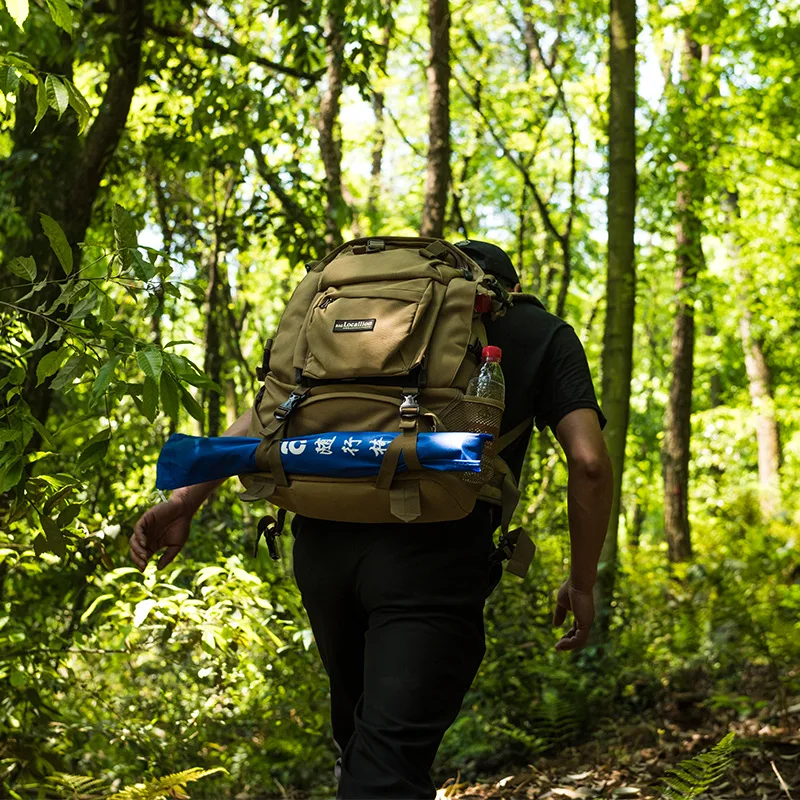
[[397, 614]]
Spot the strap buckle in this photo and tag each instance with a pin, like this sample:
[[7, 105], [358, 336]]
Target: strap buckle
[[409, 408], [289, 404], [271, 528]]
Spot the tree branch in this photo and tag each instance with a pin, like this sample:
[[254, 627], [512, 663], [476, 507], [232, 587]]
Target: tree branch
[[234, 49]]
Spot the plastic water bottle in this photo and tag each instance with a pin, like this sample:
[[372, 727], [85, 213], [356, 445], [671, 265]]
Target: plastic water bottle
[[489, 382]]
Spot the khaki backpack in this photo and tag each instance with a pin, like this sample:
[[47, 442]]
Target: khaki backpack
[[384, 334]]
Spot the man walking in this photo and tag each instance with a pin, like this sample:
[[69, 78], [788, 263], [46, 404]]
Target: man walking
[[397, 609]]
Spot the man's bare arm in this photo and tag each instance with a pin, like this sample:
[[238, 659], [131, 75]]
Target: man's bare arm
[[589, 492], [166, 526]]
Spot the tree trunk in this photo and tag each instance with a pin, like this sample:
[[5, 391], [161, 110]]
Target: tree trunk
[[689, 260], [769, 449], [212, 365], [373, 198], [759, 378], [617, 362], [330, 143], [715, 382], [437, 178]]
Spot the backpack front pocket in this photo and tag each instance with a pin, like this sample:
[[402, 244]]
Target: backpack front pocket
[[367, 331]]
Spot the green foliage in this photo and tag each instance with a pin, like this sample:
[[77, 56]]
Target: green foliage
[[206, 210], [80, 787], [695, 776], [168, 786]]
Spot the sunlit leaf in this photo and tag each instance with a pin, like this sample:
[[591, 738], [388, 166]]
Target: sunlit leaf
[[69, 373], [61, 14], [41, 103], [57, 94], [151, 362], [58, 241], [18, 10], [50, 362]]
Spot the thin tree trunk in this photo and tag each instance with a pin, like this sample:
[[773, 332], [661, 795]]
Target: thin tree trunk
[[715, 383], [212, 365], [759, 378], [617, 361], [689, 260], [330, 144], [437, 178], [522, 234], [769, 448]]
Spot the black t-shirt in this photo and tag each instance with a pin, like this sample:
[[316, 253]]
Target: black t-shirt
[[545, 371]]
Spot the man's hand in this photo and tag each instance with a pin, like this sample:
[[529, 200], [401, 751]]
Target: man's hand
[[163, 526], [581, 604]]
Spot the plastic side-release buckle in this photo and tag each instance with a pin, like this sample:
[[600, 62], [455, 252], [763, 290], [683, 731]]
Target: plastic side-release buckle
[[289, 404], [271, 528], [409, 408], [516, 547]]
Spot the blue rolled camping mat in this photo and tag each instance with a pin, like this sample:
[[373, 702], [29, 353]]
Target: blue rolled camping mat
[[186, 460]]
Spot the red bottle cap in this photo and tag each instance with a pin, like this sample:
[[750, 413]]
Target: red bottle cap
[[492, 353]]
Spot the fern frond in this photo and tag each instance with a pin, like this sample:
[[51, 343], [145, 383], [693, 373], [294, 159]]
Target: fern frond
[[694, 776], [73, 787], [169, 786]]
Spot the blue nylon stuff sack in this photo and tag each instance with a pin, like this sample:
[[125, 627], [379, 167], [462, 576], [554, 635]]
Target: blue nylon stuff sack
[[186, 460]]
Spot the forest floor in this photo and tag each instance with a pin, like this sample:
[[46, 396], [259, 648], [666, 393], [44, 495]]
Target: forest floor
[[627, 760]]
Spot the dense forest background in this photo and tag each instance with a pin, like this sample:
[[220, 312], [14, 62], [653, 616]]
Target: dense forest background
[[166, 168]]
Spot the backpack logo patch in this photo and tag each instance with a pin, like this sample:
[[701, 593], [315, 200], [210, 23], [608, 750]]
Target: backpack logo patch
[[353, 325]]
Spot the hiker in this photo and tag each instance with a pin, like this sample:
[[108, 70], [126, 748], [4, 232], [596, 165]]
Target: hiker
[[397, 608]]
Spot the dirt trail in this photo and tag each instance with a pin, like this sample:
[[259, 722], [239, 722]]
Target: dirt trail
[[628, 761]]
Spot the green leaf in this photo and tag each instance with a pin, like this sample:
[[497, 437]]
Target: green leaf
[[41, 103], [68, 515], [57, 94], [9, 79], [67, 292], [96, 602], [169, 396], [61, 14], [56, 498], [84, 305], [73, 369], [39, 544], [16, 377], [96, 451], [58, 241], [124, 234], [107, 308], [11, 475], [9, 434], [24, 266], [79, 106], [55, 539], [191, 405], [103, 379], [18, 10], [42, 431], [50, 363], [143, 269], [151, 362], [150, 399]]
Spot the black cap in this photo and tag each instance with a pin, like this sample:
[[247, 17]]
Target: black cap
[[491, 259]]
